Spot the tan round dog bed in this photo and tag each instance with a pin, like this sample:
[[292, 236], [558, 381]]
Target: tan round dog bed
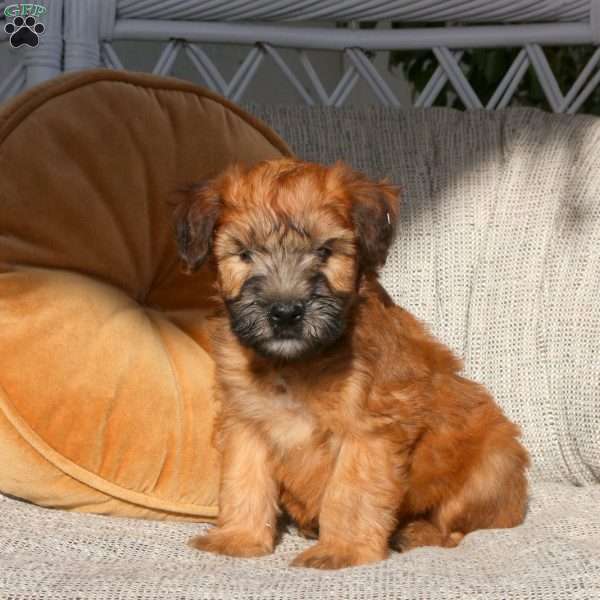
[[105, 379]]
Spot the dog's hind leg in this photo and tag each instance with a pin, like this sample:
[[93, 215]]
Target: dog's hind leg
[[423, 532], [494, 496]]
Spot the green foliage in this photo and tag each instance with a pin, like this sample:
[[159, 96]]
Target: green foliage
[[484, 68]]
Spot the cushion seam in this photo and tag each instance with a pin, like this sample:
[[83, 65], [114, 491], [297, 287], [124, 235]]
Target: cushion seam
[[86, 477]]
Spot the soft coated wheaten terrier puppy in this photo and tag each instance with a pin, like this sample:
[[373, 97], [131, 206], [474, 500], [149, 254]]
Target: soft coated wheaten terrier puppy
[[336, 405]]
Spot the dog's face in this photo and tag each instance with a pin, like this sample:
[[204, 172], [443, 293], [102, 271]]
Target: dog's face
[[290, 241]]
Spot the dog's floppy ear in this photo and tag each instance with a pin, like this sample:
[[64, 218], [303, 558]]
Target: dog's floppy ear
[[195, 219], [374, 212]]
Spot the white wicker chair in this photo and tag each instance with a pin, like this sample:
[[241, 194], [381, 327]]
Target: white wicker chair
[[267, 26], [79, 34]]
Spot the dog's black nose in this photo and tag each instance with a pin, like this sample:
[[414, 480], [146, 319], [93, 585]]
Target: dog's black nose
[[284, 314]]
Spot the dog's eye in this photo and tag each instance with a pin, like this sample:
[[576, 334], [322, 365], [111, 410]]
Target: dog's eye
[[246, 256], [324, 252]]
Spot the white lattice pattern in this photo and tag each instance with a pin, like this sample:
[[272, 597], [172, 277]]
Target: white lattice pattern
[[360, 66], [80, 34]]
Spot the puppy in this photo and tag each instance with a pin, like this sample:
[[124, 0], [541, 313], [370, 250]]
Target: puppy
[[335, 404]]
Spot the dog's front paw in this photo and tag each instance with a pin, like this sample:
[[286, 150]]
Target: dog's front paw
[[232, 543], [326, 556]]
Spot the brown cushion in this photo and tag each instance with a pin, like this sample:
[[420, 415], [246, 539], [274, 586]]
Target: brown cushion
[[105, 379]]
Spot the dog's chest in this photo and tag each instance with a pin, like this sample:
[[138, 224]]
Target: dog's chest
[[282, 415]]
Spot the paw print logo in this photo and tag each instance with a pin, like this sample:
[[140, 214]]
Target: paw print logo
[[24, 31]]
